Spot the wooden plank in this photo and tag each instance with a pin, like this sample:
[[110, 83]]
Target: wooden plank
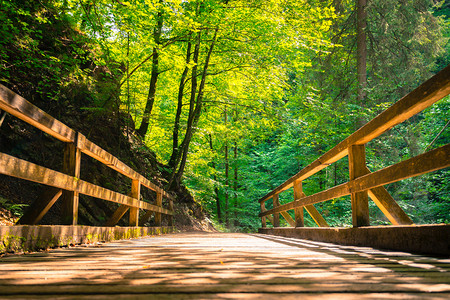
[[134, 211], [360, 200], [298, 194], [158, 203], [19, 168], [388, 205], [427, 162], [40, 207], [316, 216], [117, 215], [71, 166], [422, 97], [24, 110]]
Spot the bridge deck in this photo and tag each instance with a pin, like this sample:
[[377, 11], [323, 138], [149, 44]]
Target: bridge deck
[[200, 265]]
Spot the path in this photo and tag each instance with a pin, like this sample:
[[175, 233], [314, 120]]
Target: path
[[223, 266]]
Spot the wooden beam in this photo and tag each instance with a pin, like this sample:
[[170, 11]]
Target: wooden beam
[[24, 110], [298, 194], [422, 97], [71, 167], [19, 168], [388, 205], [276, 215], [159, 204], [117, 215], [145, 217], [134, 211], [360, 200], [315, 215], [40, 207], [427, 162], [288, 218]]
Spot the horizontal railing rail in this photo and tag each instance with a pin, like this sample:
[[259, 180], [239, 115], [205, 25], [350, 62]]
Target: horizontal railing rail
[[362, 182], [68, 183]]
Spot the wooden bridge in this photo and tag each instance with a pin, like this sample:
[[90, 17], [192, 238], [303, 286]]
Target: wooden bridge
[[223, 266], [199, 265]]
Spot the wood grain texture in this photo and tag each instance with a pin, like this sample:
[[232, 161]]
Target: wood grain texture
[[422, 97], [19, 168], [433, 160], [224, 266]]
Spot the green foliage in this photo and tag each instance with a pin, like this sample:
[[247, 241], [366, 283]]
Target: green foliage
[[280, 89]]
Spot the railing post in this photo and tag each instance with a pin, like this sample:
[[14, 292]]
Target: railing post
[[298, 193], [263, 219], [360, 200], [276, 216], [71, 166], [171, 209], [134, 211], [159, 204]]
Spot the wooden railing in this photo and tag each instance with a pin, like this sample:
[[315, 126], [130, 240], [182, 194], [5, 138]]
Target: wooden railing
[[362, 182], [68, 183]]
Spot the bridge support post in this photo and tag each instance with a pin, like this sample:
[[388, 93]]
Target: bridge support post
[[263, 219], [276, 216], [159, 204], [71, 166], [298, 193], [134, 211], [170, 217], [360, 200]]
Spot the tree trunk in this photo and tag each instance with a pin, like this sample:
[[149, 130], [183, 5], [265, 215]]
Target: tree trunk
[[176, 127], [216, 190], [361, 51], [227, 169], [196, 111], [235, 185], [143, 128]]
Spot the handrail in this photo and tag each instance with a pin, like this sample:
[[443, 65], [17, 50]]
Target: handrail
[[419, 99], [19, 107]]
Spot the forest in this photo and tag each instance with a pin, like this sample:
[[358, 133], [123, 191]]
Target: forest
[[233, 97]]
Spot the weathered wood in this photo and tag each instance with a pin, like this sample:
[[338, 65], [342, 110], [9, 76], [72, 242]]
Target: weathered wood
[[427, 162], [224, 266], [69, 199], [422, 97], [288, 218], [145, 217], [298, 194], [117, 215], [430, 239], [276, 215], [315, 215], [388, 205], [19, 168], [360, 200], [170, 217], [40, 207], [158, 203], [24, 110], [263, 219], [134, 211]]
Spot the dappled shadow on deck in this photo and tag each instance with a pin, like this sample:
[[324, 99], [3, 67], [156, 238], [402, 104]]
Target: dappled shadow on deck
[[200, 265]]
